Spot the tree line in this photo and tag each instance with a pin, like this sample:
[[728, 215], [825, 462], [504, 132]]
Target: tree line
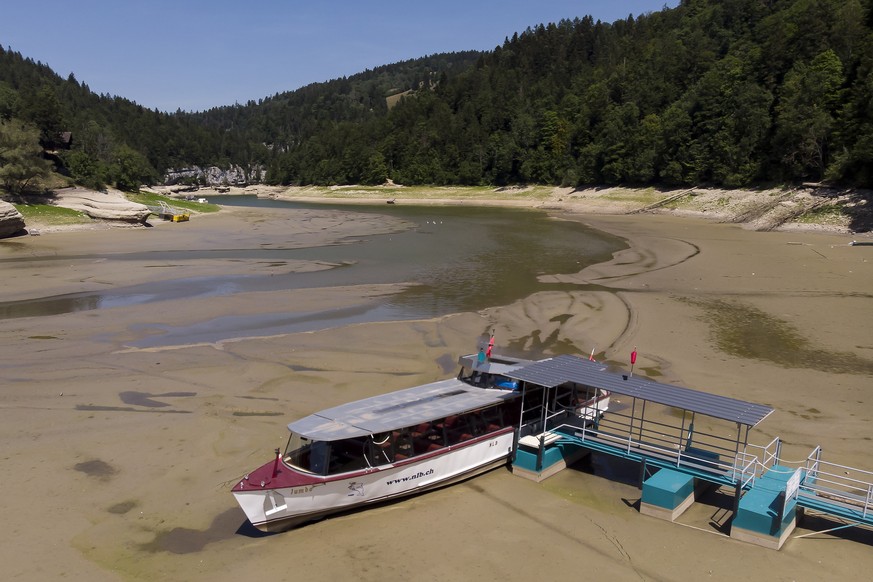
[[728, 93]]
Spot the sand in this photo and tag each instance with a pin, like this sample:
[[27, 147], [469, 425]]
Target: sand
[[104, 484]]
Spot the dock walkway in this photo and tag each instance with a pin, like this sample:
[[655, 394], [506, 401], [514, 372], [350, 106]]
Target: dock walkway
[[166, 212], [677, 461]]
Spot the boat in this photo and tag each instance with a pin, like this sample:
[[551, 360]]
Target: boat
[[406, 442]]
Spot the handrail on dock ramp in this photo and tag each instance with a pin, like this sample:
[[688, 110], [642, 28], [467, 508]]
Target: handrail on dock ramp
[[167, 212], [836, 489], [695, 462]]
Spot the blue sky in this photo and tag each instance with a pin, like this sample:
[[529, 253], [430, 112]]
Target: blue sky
[[197, 54]]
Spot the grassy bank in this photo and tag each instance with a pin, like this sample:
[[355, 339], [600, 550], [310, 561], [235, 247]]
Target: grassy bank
[[51, 215]]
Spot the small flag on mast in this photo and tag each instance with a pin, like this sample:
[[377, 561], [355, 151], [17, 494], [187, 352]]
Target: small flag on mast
[[490, 346], [591, 357], [633, 360]]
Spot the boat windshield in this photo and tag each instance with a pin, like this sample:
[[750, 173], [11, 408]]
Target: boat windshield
[[306, 455], [326, 458]]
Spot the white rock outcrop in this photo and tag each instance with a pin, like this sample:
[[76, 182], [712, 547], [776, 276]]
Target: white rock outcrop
[[108, 205], [11, 221]]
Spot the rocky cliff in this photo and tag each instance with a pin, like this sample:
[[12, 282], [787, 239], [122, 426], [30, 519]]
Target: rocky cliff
[[215, 176]]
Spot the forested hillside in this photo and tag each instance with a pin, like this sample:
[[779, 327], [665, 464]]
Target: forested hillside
[[115, 141], [721, 92], [286, 120], [714, 92]]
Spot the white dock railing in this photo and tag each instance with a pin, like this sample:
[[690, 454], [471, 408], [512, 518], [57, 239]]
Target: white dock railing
[[741, 470], [848, 486]]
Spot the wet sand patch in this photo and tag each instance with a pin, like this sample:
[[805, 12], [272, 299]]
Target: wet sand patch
[[122, 507], [747, 332], [96, 468]]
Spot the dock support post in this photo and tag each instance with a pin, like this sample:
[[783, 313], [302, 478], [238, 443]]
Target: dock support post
[[642, 474], [738, 492]]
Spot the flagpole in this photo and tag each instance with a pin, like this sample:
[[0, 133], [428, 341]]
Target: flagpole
[[633, 361]]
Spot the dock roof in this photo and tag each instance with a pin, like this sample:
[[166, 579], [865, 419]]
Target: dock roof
[[560, 369]]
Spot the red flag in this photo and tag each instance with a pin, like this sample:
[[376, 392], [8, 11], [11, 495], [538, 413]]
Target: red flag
[[490, 347], [634, 356]]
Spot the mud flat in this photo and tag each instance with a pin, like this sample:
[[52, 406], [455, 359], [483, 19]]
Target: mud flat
[[121, 459]]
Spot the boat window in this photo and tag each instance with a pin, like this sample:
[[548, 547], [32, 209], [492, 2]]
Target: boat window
[[492, 418], [307, 455], [380, 449], [402, 444], [428, 437], [458, 429], [347, 455], [474, 377]]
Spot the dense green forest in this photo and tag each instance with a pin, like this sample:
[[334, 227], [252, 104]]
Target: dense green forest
[[113, 139], [117, 141], [729, 93]]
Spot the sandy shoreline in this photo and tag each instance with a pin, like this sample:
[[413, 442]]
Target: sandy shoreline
[[109, 488]]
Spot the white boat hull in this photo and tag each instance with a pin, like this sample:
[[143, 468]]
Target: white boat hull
[[283, 508]]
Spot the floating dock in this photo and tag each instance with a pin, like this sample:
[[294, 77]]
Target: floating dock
[[655, 427], [167, 212]]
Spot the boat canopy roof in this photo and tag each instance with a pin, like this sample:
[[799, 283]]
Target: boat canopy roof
[[395, 410], [560, 369]]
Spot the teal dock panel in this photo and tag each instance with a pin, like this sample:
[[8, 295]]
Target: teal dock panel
[[527, 460], [666, 494], [760, 518], [667, 488], [556, 456]]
